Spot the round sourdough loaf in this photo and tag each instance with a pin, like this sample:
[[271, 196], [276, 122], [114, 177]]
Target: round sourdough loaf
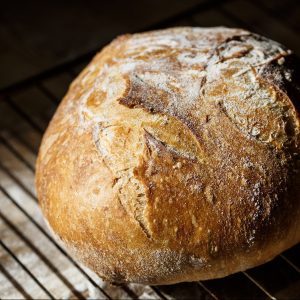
[[174, 156]]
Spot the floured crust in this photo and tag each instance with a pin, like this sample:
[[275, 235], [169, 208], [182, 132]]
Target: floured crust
[[175, 156]]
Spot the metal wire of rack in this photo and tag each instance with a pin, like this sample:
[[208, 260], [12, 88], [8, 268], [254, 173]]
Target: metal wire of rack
[[33, 264]]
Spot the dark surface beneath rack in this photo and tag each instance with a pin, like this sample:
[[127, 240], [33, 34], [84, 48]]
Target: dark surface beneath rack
[[32, 263]]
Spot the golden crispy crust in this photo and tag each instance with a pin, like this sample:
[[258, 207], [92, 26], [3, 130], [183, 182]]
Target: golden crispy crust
[[175, 156]]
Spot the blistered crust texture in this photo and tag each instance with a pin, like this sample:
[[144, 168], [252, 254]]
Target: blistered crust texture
[[174, 156]]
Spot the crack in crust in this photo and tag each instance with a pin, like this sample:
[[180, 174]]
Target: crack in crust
[[224, 78]]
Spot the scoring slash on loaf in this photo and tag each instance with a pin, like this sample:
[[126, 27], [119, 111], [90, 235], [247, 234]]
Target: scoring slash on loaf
[[174, 156]]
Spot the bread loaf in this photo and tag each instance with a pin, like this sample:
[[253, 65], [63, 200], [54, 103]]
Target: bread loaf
[[174, 156]]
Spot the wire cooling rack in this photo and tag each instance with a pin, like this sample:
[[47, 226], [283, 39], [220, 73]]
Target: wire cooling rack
[[33, 264]]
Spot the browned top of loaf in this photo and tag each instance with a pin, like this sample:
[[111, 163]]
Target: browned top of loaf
[[176, 146]]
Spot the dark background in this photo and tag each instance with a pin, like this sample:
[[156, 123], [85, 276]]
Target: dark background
[[36, 36]]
